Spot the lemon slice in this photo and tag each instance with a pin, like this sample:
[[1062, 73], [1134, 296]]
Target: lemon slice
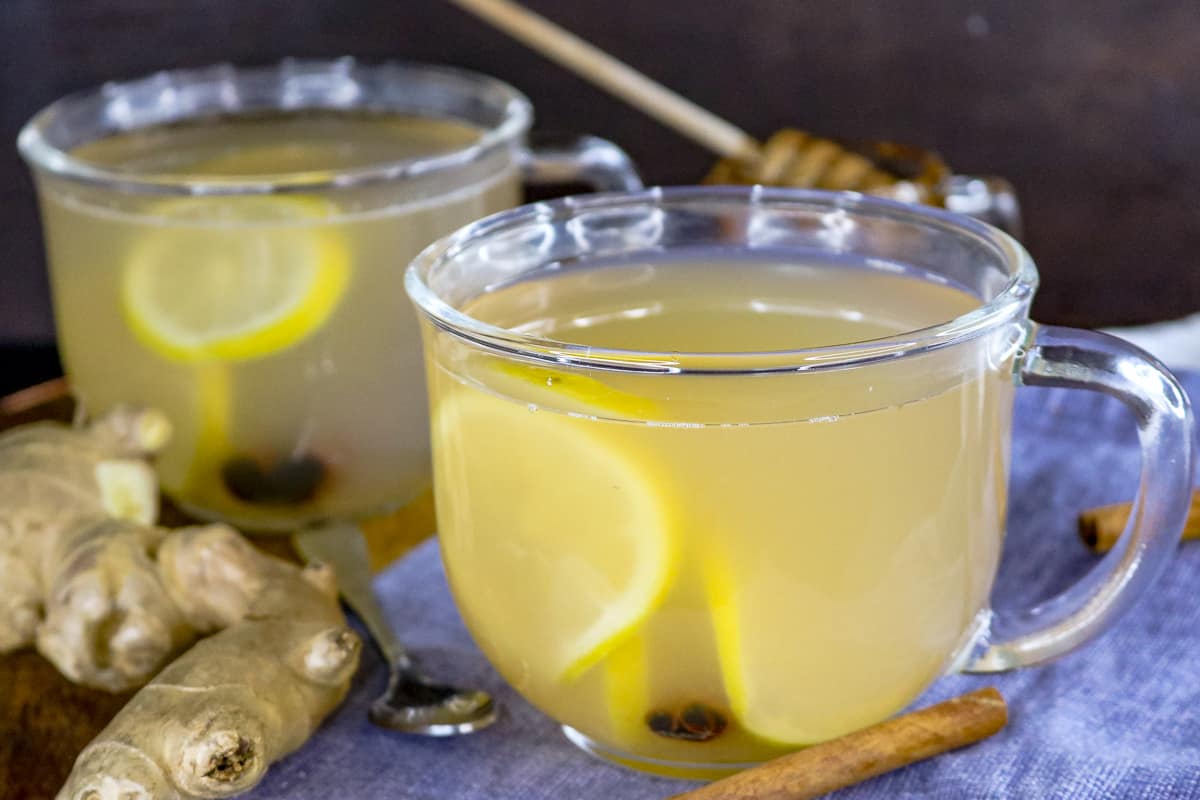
[[569, 391], [769, 684], [246, 289], [627, 688], [754, 680], [568, 525]]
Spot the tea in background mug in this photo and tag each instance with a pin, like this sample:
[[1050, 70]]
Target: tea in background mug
[[722, 472], [226, 243]]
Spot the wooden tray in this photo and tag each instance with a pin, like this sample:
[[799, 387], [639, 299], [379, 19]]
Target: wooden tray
[[45, 720]]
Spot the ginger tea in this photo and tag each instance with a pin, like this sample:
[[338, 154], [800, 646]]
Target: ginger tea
[[271, 327], [710, 569]]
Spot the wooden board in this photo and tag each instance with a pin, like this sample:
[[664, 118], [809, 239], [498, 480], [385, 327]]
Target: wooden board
[[45, 720]]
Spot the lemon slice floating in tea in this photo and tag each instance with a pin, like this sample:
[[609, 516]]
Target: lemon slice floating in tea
[[229, 279], [758, 667], [233, 278], [581, 575], [569, 391]]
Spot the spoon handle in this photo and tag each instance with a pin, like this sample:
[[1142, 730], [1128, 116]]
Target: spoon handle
[[341, 544]]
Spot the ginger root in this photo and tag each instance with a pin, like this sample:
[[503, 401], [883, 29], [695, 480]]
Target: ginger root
[[109, 598], [109, 620], [210, 724], [59, 489]]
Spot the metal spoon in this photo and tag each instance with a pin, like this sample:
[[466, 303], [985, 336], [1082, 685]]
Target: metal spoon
[[412, 703]]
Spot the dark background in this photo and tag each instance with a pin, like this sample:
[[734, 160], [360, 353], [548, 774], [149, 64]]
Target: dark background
[[1091, 107]]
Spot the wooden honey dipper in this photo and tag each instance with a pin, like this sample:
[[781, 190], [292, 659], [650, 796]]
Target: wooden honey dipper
[[796, 158], [788, 158]]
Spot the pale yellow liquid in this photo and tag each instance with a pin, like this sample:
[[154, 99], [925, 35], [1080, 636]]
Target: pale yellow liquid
[[350, 393], [834, 535]]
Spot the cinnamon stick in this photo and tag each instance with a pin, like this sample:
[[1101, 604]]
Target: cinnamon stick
[[853, 758], [1101, 527]]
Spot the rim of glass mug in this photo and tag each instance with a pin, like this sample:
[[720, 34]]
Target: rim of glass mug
[[1006, 305], [291, 84]]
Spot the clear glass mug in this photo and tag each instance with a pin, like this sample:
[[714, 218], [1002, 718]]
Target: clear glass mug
[[776, 547], [329, 403]]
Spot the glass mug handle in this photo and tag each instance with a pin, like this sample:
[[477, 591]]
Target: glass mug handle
[[1081, 359], [572, 158]]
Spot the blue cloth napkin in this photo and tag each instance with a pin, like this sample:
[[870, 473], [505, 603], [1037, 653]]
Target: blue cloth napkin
[[1119, 718]]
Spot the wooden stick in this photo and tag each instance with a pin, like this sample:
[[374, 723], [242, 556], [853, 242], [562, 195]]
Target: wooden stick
[[633, 87], [822, 768], [33, 396], [1101, 527]]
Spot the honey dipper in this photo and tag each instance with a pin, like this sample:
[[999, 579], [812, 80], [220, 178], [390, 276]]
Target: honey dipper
[[789, 157]]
